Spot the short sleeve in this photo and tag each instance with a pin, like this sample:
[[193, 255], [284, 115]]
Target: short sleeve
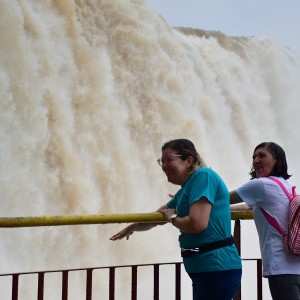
[[202, 185], [172, 203], [252, 192]]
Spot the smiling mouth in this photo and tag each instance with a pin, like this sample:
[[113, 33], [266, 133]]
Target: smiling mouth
[[257, 167], [258, 170]]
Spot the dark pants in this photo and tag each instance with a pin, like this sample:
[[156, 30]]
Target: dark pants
[[220, 285], [285, 287]]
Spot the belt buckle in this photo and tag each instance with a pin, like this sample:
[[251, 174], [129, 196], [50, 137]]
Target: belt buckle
[[189, 252]]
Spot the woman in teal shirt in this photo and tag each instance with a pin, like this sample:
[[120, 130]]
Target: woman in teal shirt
[[201, 211]]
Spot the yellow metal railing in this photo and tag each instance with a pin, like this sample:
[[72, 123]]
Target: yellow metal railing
[[96, 219], [33, 221]]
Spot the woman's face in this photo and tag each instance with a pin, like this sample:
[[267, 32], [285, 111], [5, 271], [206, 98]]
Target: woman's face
[[176, 169], [263, 162]]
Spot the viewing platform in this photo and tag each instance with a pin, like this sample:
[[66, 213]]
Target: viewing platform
[[16, 283]]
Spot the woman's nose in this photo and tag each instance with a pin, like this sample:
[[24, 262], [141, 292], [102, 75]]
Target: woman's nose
[[256, 159]]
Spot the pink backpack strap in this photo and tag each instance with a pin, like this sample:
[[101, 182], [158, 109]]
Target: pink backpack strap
[[294, 191], [272, 221], [290, 197], [269, 218]]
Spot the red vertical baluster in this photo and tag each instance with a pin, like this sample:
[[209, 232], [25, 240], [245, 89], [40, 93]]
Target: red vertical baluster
[[237, 240], [15, 287], [40, 294], [112, 283], [133, 282], [65, 283], [156, 282], [177, 281], [89, 284], [259, 279]]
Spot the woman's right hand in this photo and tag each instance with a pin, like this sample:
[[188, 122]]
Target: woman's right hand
[[126, 232], [129, 230]]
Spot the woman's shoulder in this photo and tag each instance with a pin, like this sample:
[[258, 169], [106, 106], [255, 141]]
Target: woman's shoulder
[[262, 183], [206, 172], [279, 182], [254, 183]]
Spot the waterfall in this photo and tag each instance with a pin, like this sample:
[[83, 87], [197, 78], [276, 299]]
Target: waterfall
[[89, 92]]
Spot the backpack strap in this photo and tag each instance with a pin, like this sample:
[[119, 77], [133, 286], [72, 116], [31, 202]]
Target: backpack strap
[[290, 197], [268, 217], [272, 221]]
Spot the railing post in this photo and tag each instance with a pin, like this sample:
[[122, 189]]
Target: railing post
[[259, 279], [40, 293], [89, 284], [15, 287], [112, 283], [237, 235], [65, 283], [237, 240], [156, 282], [177, 281], [133, 282]]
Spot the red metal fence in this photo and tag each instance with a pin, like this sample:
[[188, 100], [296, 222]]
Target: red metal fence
[[64, 287]]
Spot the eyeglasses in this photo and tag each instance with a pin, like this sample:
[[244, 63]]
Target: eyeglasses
[[167, 159]]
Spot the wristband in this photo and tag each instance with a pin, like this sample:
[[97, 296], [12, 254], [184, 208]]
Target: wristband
[[174, 216]]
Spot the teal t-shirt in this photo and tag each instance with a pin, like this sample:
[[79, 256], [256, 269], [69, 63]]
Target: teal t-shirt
[[205, 182]]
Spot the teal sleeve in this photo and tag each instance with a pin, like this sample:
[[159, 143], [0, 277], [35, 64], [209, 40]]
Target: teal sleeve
[[171, 203], [203, 185]]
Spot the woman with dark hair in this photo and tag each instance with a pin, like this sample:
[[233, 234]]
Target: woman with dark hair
[[280, 168], [264, 195], [201, 211]]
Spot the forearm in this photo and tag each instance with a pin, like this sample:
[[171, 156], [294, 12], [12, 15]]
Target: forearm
[[235, 198], [186, 224], [196, 221], [240, 207], [145, 226]]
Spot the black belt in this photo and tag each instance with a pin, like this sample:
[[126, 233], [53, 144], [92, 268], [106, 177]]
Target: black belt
[[208, 247]]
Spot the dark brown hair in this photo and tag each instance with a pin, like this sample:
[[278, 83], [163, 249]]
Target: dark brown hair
[[185, 148]]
